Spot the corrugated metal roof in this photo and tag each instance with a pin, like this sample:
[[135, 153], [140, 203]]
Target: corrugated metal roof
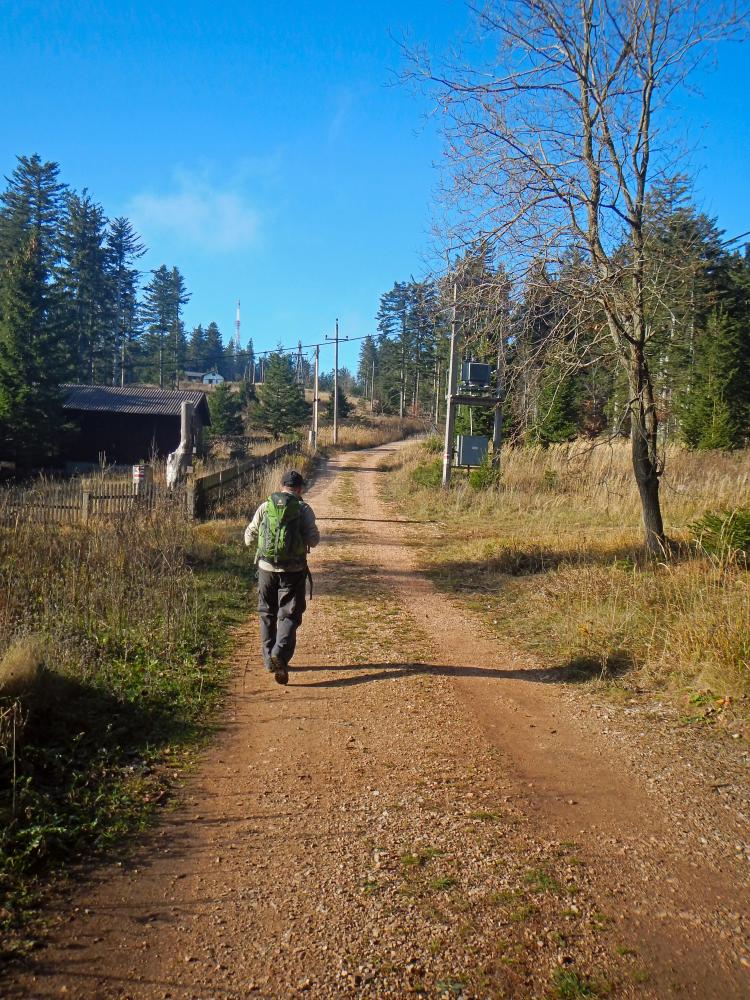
[[144, 399]]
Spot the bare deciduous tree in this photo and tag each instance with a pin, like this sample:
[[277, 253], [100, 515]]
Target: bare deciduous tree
[[552, 141]]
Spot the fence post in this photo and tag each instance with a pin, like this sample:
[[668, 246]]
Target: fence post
[[85, 506], [191, 500]]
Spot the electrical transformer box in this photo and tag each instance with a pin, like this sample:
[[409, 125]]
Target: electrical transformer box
[[471, 449], [475, 373]]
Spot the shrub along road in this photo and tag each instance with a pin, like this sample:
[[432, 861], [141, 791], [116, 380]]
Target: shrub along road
[[419, 813]]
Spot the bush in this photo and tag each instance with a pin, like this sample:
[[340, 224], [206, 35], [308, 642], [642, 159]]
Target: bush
[[429, 474], [486, 477], [724, 534]]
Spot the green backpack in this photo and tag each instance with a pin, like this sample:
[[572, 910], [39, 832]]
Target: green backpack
[[280, 537]]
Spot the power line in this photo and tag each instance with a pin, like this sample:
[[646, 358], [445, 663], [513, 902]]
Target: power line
[[322, 343], [734, 239]]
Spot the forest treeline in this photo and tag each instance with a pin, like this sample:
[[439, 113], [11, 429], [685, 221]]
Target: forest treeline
[[559, 376], [75, 307]]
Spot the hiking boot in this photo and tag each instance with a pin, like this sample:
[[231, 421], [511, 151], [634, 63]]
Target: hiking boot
[[280, 673]]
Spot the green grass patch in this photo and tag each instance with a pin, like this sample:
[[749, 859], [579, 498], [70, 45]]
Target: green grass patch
[[571, 985], [442, 884], [539, 880], [105, 738]]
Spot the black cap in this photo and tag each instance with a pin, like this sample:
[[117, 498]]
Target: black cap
[[292, 478]]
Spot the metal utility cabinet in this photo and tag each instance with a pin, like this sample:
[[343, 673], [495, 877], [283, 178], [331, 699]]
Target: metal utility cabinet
[[471, 449]]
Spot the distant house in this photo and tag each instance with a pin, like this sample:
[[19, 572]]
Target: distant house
[[123, 425], [193, 376], [212, 378]]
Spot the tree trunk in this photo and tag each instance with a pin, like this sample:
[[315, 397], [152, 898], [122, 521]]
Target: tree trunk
[[643, 439]]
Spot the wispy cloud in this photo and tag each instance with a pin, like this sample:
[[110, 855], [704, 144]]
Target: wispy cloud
[[197, 211], [345, 102]]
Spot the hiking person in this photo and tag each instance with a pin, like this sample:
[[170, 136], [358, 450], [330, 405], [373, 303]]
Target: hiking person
[[285, 530]]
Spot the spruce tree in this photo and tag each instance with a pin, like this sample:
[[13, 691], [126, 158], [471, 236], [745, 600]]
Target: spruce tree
[[32, 206], [716, 413], [31, 415], [345, 407], [196, 351], [85, 284], [557, 409], [281, 405], [124, 248], [368, 356], [214, 351], [250, 366], [164, 297], [225, 407]]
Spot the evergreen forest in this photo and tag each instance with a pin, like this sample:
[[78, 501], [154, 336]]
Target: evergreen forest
[[76, 307]]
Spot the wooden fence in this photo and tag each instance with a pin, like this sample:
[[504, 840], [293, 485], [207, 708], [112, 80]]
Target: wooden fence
[[80, 501], [204, 493]]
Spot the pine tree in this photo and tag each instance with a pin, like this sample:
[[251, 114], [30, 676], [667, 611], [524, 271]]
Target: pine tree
[[31, 209], [124, 248], [393, 324], [32, 205], [31, 415], [86, 289], [557, 408], [345, 407], [281, 405], [164, 297], [214, 355], [231, 364], [225, 407], [368, 357], [716, 413], [196, 351], [388, 375], [248, 362], [685, 263]]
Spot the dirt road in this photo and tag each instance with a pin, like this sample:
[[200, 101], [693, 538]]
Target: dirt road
[[416, 814]]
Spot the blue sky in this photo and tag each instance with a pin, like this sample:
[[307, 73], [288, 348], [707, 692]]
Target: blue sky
[[266, 150]]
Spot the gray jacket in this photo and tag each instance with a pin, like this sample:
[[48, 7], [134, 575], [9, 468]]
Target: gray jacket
[[308, 527]]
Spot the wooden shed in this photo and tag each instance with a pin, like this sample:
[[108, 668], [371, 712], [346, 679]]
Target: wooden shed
[[124, 425]]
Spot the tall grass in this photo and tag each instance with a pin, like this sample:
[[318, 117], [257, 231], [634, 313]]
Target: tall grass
[[554, 558], [127, 617], [370, 431]]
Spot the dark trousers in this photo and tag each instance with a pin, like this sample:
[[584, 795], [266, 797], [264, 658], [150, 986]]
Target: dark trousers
[[281, 604]]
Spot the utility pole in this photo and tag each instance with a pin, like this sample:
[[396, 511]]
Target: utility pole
[[497, 426], [402, 400], [314, 436], [336, 387], [372, 388], [177, 355], [335, 384], [450, 416]]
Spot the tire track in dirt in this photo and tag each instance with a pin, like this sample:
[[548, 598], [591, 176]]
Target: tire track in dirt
[[369, 831]]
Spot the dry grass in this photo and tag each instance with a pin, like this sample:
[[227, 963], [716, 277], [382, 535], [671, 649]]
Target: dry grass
[[21, 668], [370, 431], [94, 592], [554, 560]]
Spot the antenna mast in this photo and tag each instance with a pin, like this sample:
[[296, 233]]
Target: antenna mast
[[237, 328]]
